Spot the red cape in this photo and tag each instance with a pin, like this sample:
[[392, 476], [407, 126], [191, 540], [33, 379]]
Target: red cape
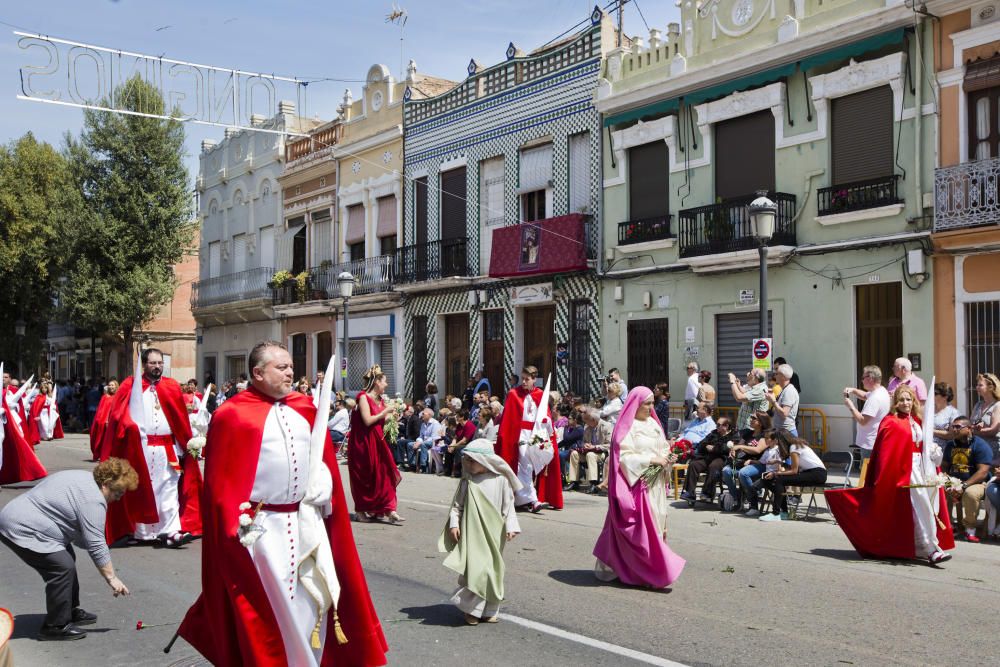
[[549, 482], [99, 425], [28, 423], [19, 461], [878, 518], [36, 411], [232, 623], [121, 439]]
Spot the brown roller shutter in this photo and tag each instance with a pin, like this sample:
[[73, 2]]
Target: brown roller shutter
[[982, 74], [648, 168], [453, 204], [744, 155], [861, 136]]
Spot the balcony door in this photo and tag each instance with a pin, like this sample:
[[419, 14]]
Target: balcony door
[[299, 356], [744, 155], [540, 339], [982, 88], [453, 222], [457, 356]]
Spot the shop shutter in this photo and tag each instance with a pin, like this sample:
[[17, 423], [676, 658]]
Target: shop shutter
[[387, 362], [453, 204], [744, 155], [861, 136], [734, 334], [579, 173], [648, 169]]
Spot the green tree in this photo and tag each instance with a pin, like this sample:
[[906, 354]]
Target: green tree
[[131, 174], [38, 199]]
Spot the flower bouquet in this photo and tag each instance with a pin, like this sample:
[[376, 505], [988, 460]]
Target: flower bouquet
[[681, 450], [248, 531], [391, 428], [195, 445], [653, 472]]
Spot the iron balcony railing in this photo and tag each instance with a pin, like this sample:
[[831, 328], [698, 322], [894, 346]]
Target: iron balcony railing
[[858, 195], [243, 286], [432, 261], [646, 229], [371, 275], [967, 195], [725, 226]]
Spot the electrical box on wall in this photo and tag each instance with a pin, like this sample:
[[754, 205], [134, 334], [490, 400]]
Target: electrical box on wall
[[619, 293], [915, 262], [647, 300]]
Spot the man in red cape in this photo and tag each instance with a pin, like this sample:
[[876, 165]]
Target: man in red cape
[[516, 425], [100, 423], [878, 518], [165, 506], [244, 616], [18, 462]]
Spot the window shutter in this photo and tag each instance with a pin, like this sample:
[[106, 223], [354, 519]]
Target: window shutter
[[453, 204], [535, 168], [355, 224], [861, 136], [648, 169], [420, 208], [579, 173], [386, 216], [321, 240], [982, 74], [239, 253], [744, 155], [491, 191], [386, 361], [214, 259], [266, 246]]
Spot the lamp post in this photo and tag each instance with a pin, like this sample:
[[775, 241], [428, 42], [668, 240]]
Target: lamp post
[[345, 284], [762, 212]]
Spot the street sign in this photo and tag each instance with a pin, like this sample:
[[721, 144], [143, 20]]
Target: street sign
[[762, 349]]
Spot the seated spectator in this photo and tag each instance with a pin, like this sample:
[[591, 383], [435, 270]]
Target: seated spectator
[[613, 403], [661, 403], [572, 438], [701, 425], [465, 432], [709, 457], [993, 490], [944, 414], [339, 423], [806, 469], [450, 428], [488, 429], [985, 413], [430, 434], [751, 397], [749, 460], [409, 423], [967, 458], [595, 445]]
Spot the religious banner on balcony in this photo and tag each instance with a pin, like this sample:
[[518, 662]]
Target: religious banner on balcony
[[552, 245]]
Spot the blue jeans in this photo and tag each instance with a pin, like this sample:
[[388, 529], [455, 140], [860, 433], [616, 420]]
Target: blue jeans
[[563, 459], [993, 494], [417, 458], [401, 450], [746, 476]]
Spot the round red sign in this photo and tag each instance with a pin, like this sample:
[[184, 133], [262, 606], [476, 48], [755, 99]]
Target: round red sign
[[761, 350]]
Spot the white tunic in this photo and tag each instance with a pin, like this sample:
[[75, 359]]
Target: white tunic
[[47, 419], [162, 476], [644, 441], [281, 479], [531, 459]]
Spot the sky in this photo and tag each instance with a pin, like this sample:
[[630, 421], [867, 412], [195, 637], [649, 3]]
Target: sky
[[307, 39]]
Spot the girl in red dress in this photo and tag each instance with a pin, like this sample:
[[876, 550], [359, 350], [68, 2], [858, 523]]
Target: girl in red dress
[[370, 465]]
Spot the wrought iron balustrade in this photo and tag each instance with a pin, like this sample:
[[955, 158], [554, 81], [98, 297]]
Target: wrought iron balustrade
[[371, 275], [646, 229], [967, 195], [432, 261], [243, 286], [858, 195], [725, 226]]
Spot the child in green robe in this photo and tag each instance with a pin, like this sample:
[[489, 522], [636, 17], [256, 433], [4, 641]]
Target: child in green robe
[[481, 521]]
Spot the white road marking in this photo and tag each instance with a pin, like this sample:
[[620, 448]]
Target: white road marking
[[421, 502], [595, 643]]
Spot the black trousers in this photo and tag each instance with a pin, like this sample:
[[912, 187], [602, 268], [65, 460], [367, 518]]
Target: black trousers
[[811, 477], [62, 588], [698, 466]]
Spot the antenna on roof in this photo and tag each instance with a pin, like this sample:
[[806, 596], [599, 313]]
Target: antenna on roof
[[398, 16]]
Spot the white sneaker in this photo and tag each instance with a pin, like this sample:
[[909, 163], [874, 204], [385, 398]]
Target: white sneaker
[[939, 557]]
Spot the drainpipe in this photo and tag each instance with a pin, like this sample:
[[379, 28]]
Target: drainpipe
[[918, 97]]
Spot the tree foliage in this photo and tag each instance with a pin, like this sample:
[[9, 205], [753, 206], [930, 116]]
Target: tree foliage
[[131, 174], [38, 201]]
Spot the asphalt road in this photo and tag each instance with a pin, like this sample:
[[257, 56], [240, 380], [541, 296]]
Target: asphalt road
[[752, 593]]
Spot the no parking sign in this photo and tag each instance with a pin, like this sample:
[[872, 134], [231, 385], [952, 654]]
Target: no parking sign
[[762, 349]]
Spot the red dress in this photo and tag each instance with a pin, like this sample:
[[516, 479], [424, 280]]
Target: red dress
[[370, 465]]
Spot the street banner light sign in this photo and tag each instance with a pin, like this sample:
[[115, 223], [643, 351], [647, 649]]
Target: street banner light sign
[[762, 351]]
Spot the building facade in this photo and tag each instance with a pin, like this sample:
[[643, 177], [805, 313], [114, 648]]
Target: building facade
[[967, 214], [830, 111], [243, 236], [501, 221]]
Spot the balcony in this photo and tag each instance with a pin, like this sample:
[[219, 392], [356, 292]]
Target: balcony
[[966, 195], [249, 285], [553, 245], [646, 230], [724, 227], [858, 196], [371, 276], [432, 261]]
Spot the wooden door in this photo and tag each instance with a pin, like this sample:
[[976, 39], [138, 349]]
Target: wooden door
[[879, 327], [493, 366], [457, 356], [540, 339]]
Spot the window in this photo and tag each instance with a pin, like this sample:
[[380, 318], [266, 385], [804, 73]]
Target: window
[[420, 209], [355, 234], [322, 224], [299, 356], [387, 245], [491, 191], [385, 228], [266, 246], [982, 87], [453, 192], [214, 258], [209, 367], [982, 344], [579, 173], [299, 251], [861, 136], [357, 250], [239, 255], [535, 181], [419, 355], [648, 193], [235, 365], [744, 155]]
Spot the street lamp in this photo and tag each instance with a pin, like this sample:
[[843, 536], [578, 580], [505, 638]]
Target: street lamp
[[762, 212], [19, 327], [345, 284]]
